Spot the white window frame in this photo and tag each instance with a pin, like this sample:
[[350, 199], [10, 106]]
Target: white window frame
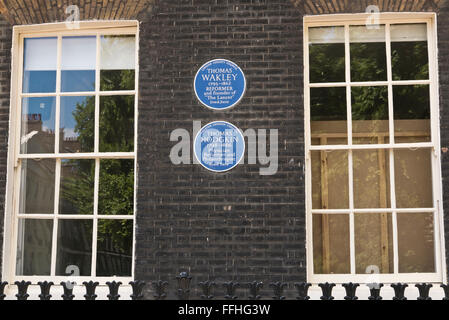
[[84, 28], [345, 20]]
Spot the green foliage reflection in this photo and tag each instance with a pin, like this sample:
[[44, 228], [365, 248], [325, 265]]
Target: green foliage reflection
[[116, 177]]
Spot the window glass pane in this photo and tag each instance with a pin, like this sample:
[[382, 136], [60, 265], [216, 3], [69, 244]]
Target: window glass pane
[[330, 180], [77, 124], [34, 247], [111, 80], [117, 62], [413, 178], [118, 52], [116, 189], [78, 64], [331, 243], [373, 242], [37, 186], [74, 246], [77, 80], [416, 242], [117, 124], [368, 54], [329, 116], [409, 52], [371, 178], [327, 54], [76, 195], [38, 125], [114, 247], [39, 65], [370, 115], [411, 113]]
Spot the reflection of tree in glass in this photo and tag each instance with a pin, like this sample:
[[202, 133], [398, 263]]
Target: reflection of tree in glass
[[77, 186], [368, 61], [409, 60], [117, 80], [328, 104], [117, 112], [116, 185], [369, 103], [327, 62], [411, 102], [116, 194], [84, 119], [117, 124], [116, 191], [115, 197]]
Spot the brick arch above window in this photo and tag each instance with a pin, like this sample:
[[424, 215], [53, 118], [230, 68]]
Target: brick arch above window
[[314, 7], [45, 11]]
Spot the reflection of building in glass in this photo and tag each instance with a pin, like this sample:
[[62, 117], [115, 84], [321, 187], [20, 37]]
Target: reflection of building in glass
[[36, 139], [34, 247], [71, 143], [41, 140]]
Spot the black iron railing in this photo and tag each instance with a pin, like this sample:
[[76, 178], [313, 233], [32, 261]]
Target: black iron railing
[[205, 290]]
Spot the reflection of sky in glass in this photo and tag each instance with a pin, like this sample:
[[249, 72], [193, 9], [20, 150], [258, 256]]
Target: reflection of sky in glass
[[39, 65], [78, 64], [39, 81], [43, 107], [77, 80], [78, 53], [68, 107]]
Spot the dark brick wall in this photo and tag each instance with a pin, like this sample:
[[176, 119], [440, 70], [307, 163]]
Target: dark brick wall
[[5, 68], [183, 223], [443, 65]]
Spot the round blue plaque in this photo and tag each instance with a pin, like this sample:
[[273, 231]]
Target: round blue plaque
[[219, 146], [219, 84]]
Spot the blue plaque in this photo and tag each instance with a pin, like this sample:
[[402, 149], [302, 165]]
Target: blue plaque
[[219, 84], [219, 146]]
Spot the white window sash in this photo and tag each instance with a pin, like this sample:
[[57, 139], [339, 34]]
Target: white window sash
[[345, 21], [12, 215]]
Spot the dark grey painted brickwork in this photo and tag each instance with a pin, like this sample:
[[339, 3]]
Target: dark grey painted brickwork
[[236, 225], [5, 68]]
